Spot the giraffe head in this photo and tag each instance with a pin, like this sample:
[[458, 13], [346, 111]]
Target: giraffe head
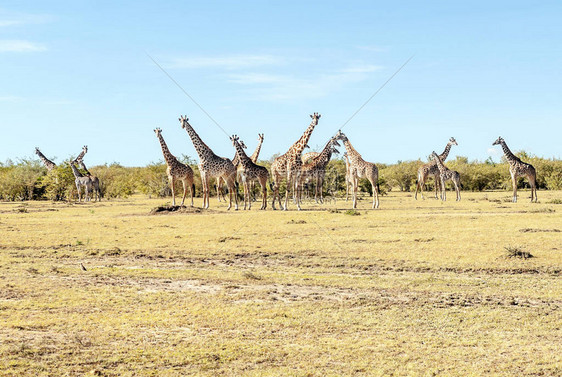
[[260, 138], [315, 118], [184, 120], [158, 131], [434, 155], [242, 144], [452, 141], [235, 139], [37, 150], [85, 148], [340, 136], [499, 141]]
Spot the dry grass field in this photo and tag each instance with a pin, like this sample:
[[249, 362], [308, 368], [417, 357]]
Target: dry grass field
[[415, 288]]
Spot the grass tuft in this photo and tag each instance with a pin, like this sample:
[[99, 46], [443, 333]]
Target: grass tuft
[[555, 201], [352, 212], [250, 275], [296, 222], [517, 252]]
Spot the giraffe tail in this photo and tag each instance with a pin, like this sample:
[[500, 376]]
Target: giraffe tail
[[271, 186], [193, 188]]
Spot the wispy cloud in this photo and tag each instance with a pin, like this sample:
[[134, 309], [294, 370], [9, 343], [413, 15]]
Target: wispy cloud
[[10, 98], [17, 45], [493, 151], [274, 87], [8, 19], [226, 62], [366, 68]]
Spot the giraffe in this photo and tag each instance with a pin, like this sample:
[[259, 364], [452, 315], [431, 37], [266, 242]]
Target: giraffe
[[95, 181], [176, 170], [518, 168], [220, 181], [445, 174], [50, 165], [359, 168], [289, 165], [347, 176], [306, 157], [211, 165], [81, 181], [249, 172], [315, 169], [254, 158], [431, 169]]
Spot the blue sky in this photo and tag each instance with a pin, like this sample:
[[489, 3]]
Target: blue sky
[[76, 73]]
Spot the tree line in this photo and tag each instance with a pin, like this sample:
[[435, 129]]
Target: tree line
[[27, 179]]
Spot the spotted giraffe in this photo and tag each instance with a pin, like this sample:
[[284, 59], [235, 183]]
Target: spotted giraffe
[[359, 168], [445, 174], [249, 171], [211, 165], [315, 169], [50, 165], [347, 176], [289, 166], [518, 168], [220, 181], [431, 169], [95, 181], [254, 158], [176, 171], [81, 181]]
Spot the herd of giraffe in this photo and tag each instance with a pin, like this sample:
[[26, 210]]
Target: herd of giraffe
[[293, 167], [90, 183]]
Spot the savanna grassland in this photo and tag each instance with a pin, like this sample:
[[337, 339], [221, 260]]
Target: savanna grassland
[[415, 288]]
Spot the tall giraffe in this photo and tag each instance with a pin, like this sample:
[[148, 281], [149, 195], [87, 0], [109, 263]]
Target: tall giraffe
[[220, 181], [254, 158], [81, 181], [315, 169], [211, 165], [359, 168], [289, 165], [445, 174], [95, 181], [50, 165], [518, 168], [249, 172], [431, 169], [176, 170], [347, 176], [255, 155]]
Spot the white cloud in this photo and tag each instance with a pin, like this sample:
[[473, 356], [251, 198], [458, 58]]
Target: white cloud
[[15, 19], [226, 62], [10, 98], [362, 68], [16, 45], [493, 151]]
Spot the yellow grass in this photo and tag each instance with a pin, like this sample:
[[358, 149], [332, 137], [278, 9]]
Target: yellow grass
[[415, 288]]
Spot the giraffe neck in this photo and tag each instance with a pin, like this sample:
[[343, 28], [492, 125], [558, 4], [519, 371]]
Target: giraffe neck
[[440, 164], [202, 149], [256, 153], [299, 146], [242, 156], [48, 163], [80, 156], [165, 151], [83, 166], [352, 154], [511, 158], [325, 155], [443, 156], [75, 171]]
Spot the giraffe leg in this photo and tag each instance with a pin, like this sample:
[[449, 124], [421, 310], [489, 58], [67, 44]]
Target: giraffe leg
[[192, 191], [437, 185], [443, 190], [172, 187], [514, 183], [290, 184], [375, 194], [184, 183], [205, 183], [263, 183], [355, 182]]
